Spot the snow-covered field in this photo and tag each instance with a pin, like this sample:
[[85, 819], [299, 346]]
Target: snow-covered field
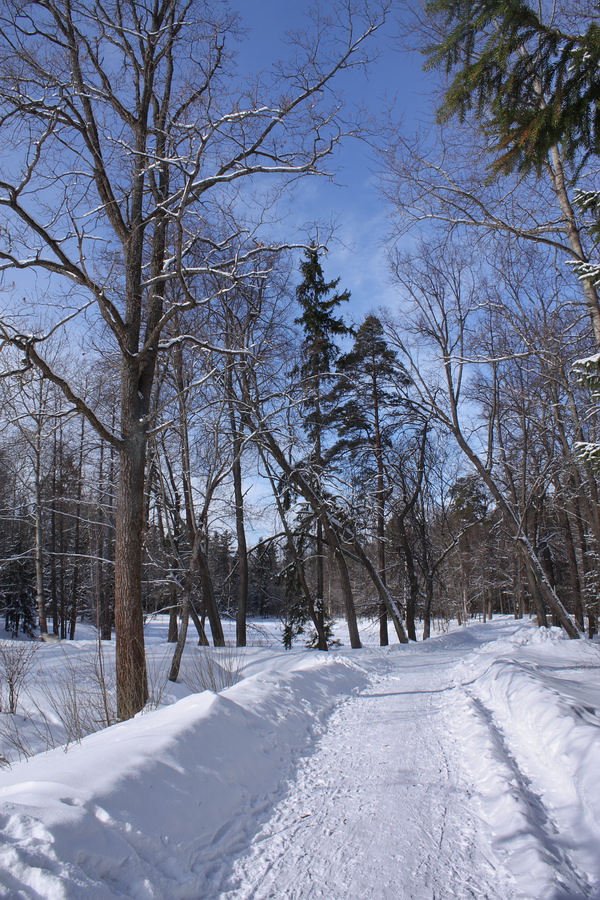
[[463, 767]]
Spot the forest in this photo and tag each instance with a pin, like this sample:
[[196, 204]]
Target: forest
[[194, 419]]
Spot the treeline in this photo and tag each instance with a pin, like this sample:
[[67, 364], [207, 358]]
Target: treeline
[[297, 405]]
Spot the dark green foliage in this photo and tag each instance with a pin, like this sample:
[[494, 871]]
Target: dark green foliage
[[320, 326], [313, 639], [534, 84], [265, 594], [468, 499], [318, 322], [317, 299], [368, 392], [589, 202], [297, 622], [221, 557]]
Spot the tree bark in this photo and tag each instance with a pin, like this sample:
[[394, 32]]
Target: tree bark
[[132, 681], [39, 545], [413, 582], [240, 529]]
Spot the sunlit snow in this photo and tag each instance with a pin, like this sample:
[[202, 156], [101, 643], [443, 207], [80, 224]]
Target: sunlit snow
[[461, 767]]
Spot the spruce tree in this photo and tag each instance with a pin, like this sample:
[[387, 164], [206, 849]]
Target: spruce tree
[[319, 350], [534, 83], [17, 592], [369, 397], [318, 299]]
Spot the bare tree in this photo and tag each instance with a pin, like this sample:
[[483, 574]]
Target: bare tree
[[132, 130], [449, 182], [445, 290]]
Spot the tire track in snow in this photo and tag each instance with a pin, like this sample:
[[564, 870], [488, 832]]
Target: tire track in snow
[[375, 812]]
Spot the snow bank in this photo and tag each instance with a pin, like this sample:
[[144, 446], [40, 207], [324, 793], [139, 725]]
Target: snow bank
[[144, 809], [529, 713]]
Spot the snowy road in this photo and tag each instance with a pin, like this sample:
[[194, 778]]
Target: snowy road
[[377, 811]]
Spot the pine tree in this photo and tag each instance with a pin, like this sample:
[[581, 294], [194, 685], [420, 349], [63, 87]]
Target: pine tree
[[318, 299], [369, 396]]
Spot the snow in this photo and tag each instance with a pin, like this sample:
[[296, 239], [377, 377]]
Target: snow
[[534, 700], [462, 767]]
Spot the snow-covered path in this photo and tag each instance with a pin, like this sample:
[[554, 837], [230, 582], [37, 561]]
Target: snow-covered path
[[377, 811], [462, 767]]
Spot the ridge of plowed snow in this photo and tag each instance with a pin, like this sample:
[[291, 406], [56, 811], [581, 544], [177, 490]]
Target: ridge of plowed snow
[[533, 720], [137, 810]]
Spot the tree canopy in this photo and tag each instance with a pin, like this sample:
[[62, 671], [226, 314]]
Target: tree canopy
[[536, 83]]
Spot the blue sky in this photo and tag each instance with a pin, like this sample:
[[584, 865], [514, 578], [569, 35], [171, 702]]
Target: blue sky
[[395, 79], [352, 203]]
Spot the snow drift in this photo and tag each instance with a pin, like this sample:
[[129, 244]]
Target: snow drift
[[529, 714], [131, 810]]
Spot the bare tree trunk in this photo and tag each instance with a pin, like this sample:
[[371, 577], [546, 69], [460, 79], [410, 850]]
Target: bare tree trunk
[[413, 582], [518, 588], [39, 566], [53, 606], [317, 611], [380, 503], [105, 545], [132, 681], [172, 635], [240, 529], [573, 569], [187, 609], [538, 602], [208, 596], [428, 605], [180, 646], [346, 585], [557, 177], [39, 539], [76, 565], [384, 594]]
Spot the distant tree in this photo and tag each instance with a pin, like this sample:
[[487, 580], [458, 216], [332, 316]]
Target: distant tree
[[467, 512], [318, 300], [369, 396], [266, 592], [447, 296], [17, 592]]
